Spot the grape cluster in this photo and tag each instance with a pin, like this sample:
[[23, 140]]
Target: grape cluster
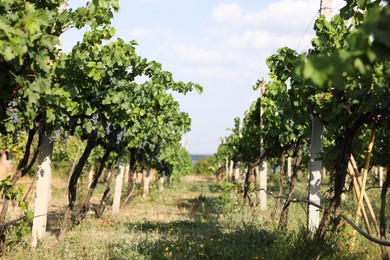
[[13, 112], [120, 135], [63, 144], [108, 130], [95, 119], [54, 135], [142, 144]]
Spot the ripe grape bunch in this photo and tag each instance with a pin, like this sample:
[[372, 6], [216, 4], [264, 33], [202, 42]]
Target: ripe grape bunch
[[107, 128], [120, 135], [13, 112], [54, 135], [95, 119]]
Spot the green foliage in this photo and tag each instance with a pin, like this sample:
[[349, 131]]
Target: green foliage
[[89, 97], [342, 81], [11, 192], [16, 233], [205, 166], [249, 148], [64, 154], [174, 161], [348, 77]]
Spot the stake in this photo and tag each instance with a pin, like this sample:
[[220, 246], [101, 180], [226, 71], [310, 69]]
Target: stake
[[315, 166], [357, 194], [372, 214], [365, 170], [263, 163]]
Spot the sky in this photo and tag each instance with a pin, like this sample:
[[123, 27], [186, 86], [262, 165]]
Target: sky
[[221, 45]]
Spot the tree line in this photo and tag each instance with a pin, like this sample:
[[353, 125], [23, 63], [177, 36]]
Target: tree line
[[117, 104], [343, 80]]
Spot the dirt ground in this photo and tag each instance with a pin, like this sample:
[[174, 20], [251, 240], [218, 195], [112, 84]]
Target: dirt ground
[[199, 178]]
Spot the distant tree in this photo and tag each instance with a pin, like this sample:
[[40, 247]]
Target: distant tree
[[205, 166]]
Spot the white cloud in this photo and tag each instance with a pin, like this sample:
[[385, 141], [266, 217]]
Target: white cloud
[[285, 14], [265, 40], [227, 13], [142, 34], [202, 74], [147, 1], [197, 54], [252, 39]]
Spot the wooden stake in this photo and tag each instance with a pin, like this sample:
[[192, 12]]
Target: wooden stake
[[366, 199], [263, 163], [365, 170], [356, 188], [118, 188], [42, 191]]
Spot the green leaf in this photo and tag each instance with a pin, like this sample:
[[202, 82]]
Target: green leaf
[[88, 127], [9, 127], [311, 71], [50, 115], [133, 42]]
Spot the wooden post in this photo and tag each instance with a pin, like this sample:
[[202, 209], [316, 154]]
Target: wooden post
[[237, 172], [231, 170], [356, 188], [263, 163], [118, 188], [326, 8], [90, 176], [364, 180], [42, 191], [227, 170], [146, 181], [315, 166], [354, 172], [289, 171], [257, 183], [43, 181], [162, 181]]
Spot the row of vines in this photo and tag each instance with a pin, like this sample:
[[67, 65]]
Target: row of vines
[[343, 81], [101, 97]]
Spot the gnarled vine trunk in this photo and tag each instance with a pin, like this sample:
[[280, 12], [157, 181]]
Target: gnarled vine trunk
[[85, 207], [23, 168], [72, 188], [106, 196], [344, 145], [283, 221], [247, 184]]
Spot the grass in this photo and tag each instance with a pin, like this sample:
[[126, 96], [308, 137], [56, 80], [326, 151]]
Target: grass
[[193, 219]]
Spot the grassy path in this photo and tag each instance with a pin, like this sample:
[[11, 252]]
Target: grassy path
[[195, 218]]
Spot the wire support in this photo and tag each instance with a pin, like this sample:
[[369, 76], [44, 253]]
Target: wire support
[[349, 221]]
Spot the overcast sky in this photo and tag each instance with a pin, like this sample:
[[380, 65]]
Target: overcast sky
[[221, 45]]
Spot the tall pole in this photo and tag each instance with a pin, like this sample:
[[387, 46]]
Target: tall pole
[[42, 190], [263, 163], [43, 183], [380, 176], [313, 213], [289, 170], [227, 170], [118, 187]]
